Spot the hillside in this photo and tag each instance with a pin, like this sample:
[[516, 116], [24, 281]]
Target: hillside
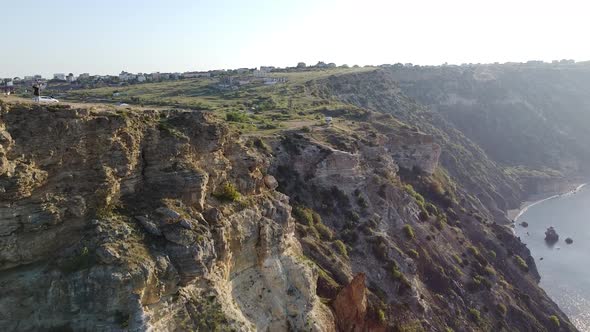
[[391, 219]]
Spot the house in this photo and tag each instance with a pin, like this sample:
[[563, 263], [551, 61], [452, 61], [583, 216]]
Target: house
[[7, 86], [59, 76], [259, 73], [321, 64], [195, 74], [84, 76], [153, 76], [70, 78], [141, 78], [266, 69], [124, 76], [242, 70], [217, 72]]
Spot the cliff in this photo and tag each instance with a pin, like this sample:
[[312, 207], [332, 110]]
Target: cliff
[[125, 220], [391, 219]]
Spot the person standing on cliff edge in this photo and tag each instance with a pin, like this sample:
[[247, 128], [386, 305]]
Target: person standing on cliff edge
[[36, 91]]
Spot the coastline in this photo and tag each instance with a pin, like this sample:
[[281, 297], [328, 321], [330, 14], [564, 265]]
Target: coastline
[[514, 214]]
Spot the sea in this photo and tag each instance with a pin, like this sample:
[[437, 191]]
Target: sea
[[564, 268]]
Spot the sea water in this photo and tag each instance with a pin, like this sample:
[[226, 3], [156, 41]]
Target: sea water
[[564, 268]]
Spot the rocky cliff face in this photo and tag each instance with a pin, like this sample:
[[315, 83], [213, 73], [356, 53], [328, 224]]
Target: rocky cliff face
[[168, 221], [108, 222]]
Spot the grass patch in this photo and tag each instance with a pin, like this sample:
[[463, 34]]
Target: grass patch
[[341, 248], [409, 232], [521, 263], [227, 193], [474, 315]]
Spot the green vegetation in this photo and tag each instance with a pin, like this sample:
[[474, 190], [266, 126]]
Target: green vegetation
[[475, 315], [381, 315], [324, 231], [492, 254], [413, 253], [236, 116], [303, 215], [227, 193], [521, 263], [166, 127], [408, 231], [554, 321], [341, 248], [502, 309]]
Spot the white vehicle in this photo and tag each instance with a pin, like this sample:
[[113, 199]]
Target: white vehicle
[[44, 99]]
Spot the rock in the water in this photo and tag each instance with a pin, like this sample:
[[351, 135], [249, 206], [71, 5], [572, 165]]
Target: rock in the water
[[551, 235], [524, 224], [569, 240]]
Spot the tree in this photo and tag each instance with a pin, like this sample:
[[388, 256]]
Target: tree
[[301, 65]]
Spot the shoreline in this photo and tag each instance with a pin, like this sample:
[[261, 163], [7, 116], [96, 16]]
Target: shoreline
[[514, 214]]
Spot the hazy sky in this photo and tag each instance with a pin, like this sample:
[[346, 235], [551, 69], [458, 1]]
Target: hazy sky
[[107, 36]]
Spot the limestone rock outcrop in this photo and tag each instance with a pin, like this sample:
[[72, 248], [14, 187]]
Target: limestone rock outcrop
[[108, 222]]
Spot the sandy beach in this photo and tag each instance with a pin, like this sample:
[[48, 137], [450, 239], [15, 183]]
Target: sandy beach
[[514, 214]]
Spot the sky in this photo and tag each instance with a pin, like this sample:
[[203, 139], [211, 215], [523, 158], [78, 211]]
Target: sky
[[108, 36]]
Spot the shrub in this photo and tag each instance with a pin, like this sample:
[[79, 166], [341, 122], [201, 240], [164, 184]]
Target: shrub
[[521, 263], [492, 254], [164, 126], [440, 223], [341, 248], [423, 215], [554, 321], [227, 193], [381, 315], [502, 309], [396, 273], [409, 231], [362, 202], [457, 270], [380, 250], [431, 208], [490, 271], [314, 232], [474, 315], [324, 231], [413, 253], [236, 117], [303, 215], [410, 190], [354, 217], [260, 144], [473, 250], [349, 236], [316, 217]]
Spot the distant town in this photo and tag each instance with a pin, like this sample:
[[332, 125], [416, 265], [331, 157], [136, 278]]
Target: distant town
[[228, 78]]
